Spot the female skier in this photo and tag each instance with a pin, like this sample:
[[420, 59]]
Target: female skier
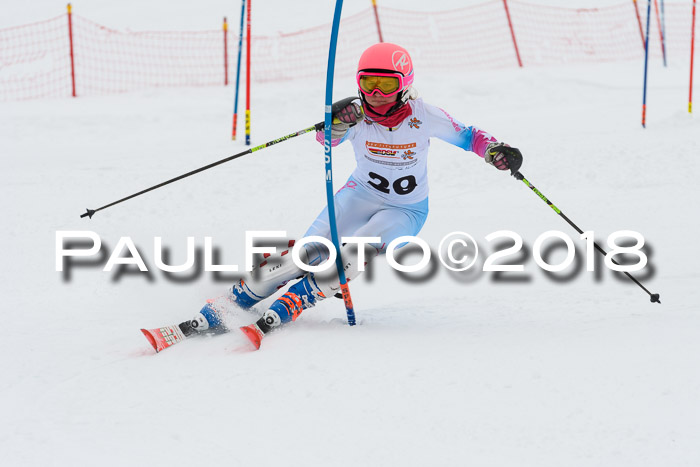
[[386, 196]]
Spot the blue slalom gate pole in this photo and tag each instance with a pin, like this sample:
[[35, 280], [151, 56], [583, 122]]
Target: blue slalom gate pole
[[238, 73], [646, 67], [329, 163]]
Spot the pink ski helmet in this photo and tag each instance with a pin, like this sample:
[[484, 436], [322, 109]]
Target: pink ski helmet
[[385, 68], [386, 57]]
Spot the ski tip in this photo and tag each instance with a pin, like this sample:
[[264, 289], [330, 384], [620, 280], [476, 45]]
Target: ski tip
[[253, 333], [150, 338]]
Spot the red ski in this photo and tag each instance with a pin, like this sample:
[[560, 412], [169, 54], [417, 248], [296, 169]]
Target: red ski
[[254, 333], [162, 338]]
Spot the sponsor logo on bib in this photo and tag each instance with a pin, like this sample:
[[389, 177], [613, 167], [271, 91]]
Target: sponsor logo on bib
[[391, 154]]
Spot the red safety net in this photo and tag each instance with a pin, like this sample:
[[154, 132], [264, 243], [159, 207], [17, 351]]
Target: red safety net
[[35, 58], [566, 35], [109, 61]]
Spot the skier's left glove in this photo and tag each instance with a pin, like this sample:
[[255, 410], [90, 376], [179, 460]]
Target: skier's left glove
[[503, 157], [345, 118]]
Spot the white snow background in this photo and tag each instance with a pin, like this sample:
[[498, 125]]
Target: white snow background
[[452, 370]]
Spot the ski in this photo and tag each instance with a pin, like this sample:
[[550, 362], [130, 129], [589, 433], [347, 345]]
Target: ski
[[254, 333], [167, 336], [162, 338]]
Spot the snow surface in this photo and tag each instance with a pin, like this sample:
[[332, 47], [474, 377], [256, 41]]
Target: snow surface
[[454, 369]]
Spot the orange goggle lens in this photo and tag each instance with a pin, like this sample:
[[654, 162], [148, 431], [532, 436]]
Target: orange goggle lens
[[385, 84]]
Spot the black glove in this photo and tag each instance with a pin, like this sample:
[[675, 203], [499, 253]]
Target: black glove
[[347, 117], [503, 157]]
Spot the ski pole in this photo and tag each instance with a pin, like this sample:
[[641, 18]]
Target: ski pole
[[318, 127], [653, 296]]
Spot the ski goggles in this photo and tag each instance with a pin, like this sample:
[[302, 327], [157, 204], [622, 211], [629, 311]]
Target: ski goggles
[[386, 84]]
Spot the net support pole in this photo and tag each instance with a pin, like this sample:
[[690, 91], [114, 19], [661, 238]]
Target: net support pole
[[639, 22], [70, 42], [692, 53], [225, 52], [661, 30], [376, 19], [512, 33]]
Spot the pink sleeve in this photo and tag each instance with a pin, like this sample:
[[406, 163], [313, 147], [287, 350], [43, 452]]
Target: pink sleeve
[[481, 139]]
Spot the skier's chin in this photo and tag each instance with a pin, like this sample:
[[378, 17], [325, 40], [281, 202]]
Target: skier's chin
[[377, 101]]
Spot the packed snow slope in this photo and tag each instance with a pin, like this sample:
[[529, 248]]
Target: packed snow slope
[[443, 369]]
